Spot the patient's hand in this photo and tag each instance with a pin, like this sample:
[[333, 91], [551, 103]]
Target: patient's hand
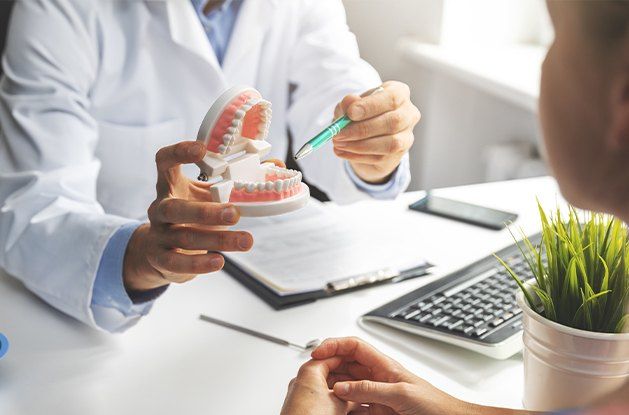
[[308, 393], [367, 376], [184, 227]]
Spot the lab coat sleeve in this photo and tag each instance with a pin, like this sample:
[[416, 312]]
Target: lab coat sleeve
[[325, 66], [52, 229]]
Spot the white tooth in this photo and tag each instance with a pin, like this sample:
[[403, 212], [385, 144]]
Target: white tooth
[[278, 185], [293, 181], [299, 176], [239, 114], [236, 123], [227, 138], [250, 187], [222, 148], [284, 184], [260, 185], [231, 130], [238, 185], [268, 185], [245, 107]]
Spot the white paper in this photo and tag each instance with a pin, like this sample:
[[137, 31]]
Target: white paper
[[305, 250]]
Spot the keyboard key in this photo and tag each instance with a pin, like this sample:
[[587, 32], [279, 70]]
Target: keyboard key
[[425, 318], [441, 321], [446, 306], [487, 317], [455, 324], [478, 323], [507, 316], [456, 313], [468, 317], [468, 329], [426, 306], [437, 311], [412, 314], [496, 322], [516, 311], [479, 332], [436, 299]]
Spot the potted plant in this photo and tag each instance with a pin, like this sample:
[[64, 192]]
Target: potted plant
[[575, 310]]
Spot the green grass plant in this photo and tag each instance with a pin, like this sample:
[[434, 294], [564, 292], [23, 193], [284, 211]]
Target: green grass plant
[[584, 282]]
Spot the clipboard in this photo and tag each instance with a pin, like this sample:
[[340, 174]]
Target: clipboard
[[280, 302]]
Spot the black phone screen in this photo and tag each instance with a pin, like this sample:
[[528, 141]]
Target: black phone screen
[[465, 212]]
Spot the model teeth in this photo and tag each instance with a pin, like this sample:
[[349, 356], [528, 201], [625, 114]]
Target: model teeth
[[227, 138], [240, 114], [250, 187], [268, 185], [236, 123], [239, 185], [222, 148], [231, 130], [278, 186]]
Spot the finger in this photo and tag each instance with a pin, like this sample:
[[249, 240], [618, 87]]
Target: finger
[[341, 108], [383, 145], [321, 367], [359, 158], [277, 162], [173, 263], [393, 395], [353, 348], [174, 155], [172, 210], [333, 378], [200, 239], [386, 124], [393, 96]]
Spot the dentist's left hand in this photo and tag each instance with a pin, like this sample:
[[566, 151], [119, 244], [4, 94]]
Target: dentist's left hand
[[184, 228]]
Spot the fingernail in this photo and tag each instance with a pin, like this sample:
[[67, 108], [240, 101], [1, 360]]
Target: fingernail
[[343, 388], [216, 262], [356, 112], [244, 242], [228, 215]]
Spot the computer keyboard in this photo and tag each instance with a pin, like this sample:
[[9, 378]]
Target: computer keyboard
[[474, 307]]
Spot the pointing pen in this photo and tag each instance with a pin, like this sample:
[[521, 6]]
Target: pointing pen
[[332, 130]]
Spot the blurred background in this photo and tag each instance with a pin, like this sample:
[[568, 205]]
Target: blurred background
[[473, 68]]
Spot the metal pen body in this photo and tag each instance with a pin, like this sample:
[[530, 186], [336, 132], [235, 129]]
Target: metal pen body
[[330, 131]]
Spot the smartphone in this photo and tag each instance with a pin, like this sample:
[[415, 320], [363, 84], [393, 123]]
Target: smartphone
[[464, 212]]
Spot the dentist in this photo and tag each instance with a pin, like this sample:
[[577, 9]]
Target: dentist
[[96, 95]]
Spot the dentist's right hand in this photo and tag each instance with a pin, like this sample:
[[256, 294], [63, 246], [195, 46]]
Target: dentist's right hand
[[184, 228]]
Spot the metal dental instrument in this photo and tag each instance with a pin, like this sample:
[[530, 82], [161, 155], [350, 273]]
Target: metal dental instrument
[[309, 346], [333, 129]]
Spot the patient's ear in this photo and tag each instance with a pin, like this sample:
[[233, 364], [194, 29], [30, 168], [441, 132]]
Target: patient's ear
[[619, 128]]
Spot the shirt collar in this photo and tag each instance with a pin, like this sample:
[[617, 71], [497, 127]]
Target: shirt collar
[[200, 4]]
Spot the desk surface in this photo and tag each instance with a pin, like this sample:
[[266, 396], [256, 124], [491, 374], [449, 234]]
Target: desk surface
[[173, 363]]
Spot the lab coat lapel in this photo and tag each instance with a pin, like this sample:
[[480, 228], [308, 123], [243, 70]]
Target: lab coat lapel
[[186, 30], [254, 18]]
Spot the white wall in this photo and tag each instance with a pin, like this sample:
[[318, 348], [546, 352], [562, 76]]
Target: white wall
[[459, 123]]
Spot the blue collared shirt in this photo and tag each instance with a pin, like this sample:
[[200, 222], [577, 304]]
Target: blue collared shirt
[[112, 307]]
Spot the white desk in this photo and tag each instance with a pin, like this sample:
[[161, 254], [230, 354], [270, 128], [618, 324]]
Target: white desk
[[173, 363]]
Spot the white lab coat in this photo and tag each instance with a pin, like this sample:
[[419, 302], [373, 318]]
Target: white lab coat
[[93, 89]]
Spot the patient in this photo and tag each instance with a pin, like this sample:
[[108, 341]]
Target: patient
[[584, 111]]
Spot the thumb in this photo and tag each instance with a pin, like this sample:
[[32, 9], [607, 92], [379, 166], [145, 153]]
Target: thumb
[[366, 391]]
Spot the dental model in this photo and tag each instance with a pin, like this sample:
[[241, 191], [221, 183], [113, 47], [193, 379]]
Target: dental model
[[234, 132]]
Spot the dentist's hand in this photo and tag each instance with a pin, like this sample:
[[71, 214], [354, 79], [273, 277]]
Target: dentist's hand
[[184, 227], [381, 132]]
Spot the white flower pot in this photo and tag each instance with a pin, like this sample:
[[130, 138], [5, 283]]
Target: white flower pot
[[566, 367]]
